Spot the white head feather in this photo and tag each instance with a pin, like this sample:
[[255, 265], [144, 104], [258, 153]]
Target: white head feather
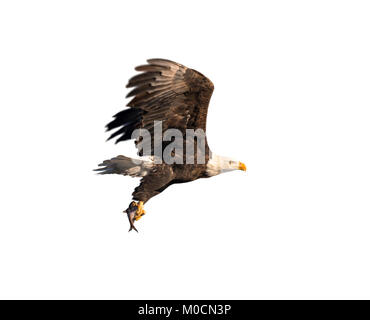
[[218, 164]]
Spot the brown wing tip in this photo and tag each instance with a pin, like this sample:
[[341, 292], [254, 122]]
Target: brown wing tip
[[165, 63], [160, 60]]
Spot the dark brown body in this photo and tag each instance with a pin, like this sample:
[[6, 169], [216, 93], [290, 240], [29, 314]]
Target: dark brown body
[[165, 175]]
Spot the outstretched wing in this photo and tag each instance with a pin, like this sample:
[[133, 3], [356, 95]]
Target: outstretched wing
[[165, 91]]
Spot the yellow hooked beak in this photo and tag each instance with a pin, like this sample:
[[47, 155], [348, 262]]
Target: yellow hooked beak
[[242, 166]]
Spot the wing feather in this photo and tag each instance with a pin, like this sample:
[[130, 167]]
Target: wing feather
[[165, 91]]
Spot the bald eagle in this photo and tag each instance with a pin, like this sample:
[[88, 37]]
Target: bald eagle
[[177, 97]]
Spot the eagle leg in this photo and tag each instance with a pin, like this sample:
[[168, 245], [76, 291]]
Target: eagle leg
[[140, 210], [134, 212]]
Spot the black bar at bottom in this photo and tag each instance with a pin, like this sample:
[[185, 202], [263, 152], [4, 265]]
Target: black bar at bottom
[[183, 309]]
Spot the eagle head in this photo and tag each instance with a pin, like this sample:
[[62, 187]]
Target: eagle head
[[218, 164]]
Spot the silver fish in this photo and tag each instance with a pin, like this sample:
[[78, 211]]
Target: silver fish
[[131, 214]]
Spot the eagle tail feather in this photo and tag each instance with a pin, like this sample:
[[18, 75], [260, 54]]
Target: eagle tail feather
[[125, 166]]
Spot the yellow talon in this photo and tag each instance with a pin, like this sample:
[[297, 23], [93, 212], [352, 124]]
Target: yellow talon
[[140, 210]]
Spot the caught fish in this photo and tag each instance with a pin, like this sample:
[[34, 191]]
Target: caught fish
[[131, 214]]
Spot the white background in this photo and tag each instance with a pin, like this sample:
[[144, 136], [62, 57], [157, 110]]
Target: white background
[[291, 100]]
